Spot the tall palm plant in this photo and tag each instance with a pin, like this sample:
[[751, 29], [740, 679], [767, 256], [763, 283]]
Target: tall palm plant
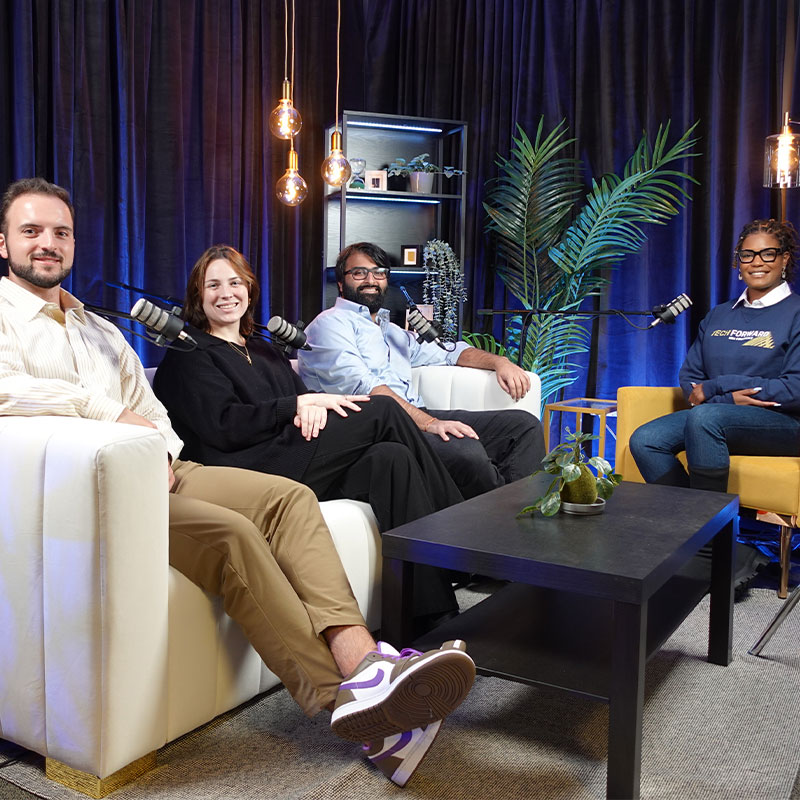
[[552, 256]]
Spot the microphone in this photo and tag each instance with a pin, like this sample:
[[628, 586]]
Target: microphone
[[167, 324], [426, 330], [290, 335], [667, 313]]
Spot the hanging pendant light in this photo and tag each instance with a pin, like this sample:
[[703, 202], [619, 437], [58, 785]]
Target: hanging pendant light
[[285, 121], [291, 189], [782, 157], [336, 168], [782, 161]]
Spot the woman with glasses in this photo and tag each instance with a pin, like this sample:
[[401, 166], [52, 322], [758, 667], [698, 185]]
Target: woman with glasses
[[236, 401], [741, 376]]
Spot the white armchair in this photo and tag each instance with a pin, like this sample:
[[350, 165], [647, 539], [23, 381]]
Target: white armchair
[[109, 653]]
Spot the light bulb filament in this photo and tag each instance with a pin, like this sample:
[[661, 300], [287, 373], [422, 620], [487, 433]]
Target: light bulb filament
[[786, 159]]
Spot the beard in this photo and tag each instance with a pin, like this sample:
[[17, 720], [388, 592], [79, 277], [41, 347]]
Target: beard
[[28, 273], [372, 301]]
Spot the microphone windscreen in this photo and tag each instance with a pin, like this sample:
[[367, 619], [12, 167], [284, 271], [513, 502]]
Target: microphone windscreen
[[286, 332], [149, 314]]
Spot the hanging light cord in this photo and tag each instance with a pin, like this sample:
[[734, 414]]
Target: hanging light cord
[[293, 40], [286, 40], [338, 29]]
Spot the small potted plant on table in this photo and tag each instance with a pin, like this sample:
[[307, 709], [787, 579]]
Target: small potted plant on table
[[575, 489]]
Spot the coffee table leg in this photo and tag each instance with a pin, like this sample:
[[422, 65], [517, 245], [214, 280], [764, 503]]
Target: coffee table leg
[[720, 618], [396, 601], [626, 700]]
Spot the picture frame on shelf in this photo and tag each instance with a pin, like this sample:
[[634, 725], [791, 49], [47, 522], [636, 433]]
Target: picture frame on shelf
[[409, 255], [375, 180]]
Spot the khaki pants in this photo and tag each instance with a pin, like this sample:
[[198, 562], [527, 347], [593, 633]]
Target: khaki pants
[[260, 542]]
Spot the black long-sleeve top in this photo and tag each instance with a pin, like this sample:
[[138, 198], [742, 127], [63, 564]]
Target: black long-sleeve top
[[231, 413]]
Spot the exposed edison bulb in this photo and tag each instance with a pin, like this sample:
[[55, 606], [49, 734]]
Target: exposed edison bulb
[[336, 168], [291, 189], [285, 121], [787, 159]]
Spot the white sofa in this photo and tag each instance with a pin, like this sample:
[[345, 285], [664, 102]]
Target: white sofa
[[107, 652]]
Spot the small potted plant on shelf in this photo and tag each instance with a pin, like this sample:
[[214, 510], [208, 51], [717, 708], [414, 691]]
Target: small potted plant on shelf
[[420, 171], [575, 489]]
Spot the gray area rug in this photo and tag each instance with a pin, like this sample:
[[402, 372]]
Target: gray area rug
[[709, 732]]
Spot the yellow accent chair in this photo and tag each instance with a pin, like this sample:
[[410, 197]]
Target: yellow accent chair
[[768, 484]]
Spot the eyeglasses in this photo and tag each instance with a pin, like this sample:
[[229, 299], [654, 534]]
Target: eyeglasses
[[768, 255], [360, 273]]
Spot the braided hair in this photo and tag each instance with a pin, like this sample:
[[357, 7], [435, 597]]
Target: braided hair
[[784, 232]]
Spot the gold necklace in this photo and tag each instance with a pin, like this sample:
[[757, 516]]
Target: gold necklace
[[246, 353]]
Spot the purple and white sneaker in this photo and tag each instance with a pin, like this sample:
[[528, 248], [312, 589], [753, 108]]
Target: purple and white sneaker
[[391, 692], [398, 756]]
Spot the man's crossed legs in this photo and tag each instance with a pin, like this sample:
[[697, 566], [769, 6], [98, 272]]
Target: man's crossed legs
[[259, 541]]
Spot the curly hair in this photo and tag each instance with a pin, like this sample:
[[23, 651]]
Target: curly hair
[[374, 253], [193, 305], [784, 232]]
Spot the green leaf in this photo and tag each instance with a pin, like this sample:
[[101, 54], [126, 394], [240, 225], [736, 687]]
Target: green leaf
[[485, 342], [600, 464], [564, 458], [604, 488], [571, 472], [551, 503], [554, 258], [528, 509]]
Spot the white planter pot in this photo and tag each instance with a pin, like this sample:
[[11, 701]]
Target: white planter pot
[[421, 182]]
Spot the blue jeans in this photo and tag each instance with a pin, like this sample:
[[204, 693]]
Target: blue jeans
[[710, 433]]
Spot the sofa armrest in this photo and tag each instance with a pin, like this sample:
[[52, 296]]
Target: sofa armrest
[[635, 406], [468, 388], [471, 389], [83, 588]]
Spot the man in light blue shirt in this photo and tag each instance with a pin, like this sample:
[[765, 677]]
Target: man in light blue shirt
[[355, 349]]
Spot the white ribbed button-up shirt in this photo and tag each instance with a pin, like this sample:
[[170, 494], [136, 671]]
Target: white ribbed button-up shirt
[[70, 363]]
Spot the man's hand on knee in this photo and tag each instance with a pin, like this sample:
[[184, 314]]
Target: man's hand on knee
[[443, 427]]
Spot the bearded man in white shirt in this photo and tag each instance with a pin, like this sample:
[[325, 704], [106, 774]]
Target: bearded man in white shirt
[[257, 540]]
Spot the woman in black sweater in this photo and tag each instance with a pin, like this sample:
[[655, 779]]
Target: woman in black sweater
[[236, 401]]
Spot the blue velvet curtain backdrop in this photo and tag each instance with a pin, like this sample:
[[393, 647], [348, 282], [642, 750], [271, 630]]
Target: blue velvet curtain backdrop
[[154, 115]]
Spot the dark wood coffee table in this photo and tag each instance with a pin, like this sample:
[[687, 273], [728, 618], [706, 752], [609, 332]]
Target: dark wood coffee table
[[591, 598]]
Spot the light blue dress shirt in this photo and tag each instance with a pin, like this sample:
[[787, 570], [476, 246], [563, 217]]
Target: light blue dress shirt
[[351, 354]]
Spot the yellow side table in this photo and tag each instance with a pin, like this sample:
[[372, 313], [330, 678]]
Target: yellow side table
[[580, 406]]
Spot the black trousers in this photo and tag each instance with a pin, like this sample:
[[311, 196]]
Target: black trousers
[[378, 455], [510, 447]]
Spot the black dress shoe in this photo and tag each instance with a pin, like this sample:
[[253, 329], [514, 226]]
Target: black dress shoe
[[748, 562]]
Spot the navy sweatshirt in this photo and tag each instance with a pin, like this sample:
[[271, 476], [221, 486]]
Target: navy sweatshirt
[[744, 348]]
